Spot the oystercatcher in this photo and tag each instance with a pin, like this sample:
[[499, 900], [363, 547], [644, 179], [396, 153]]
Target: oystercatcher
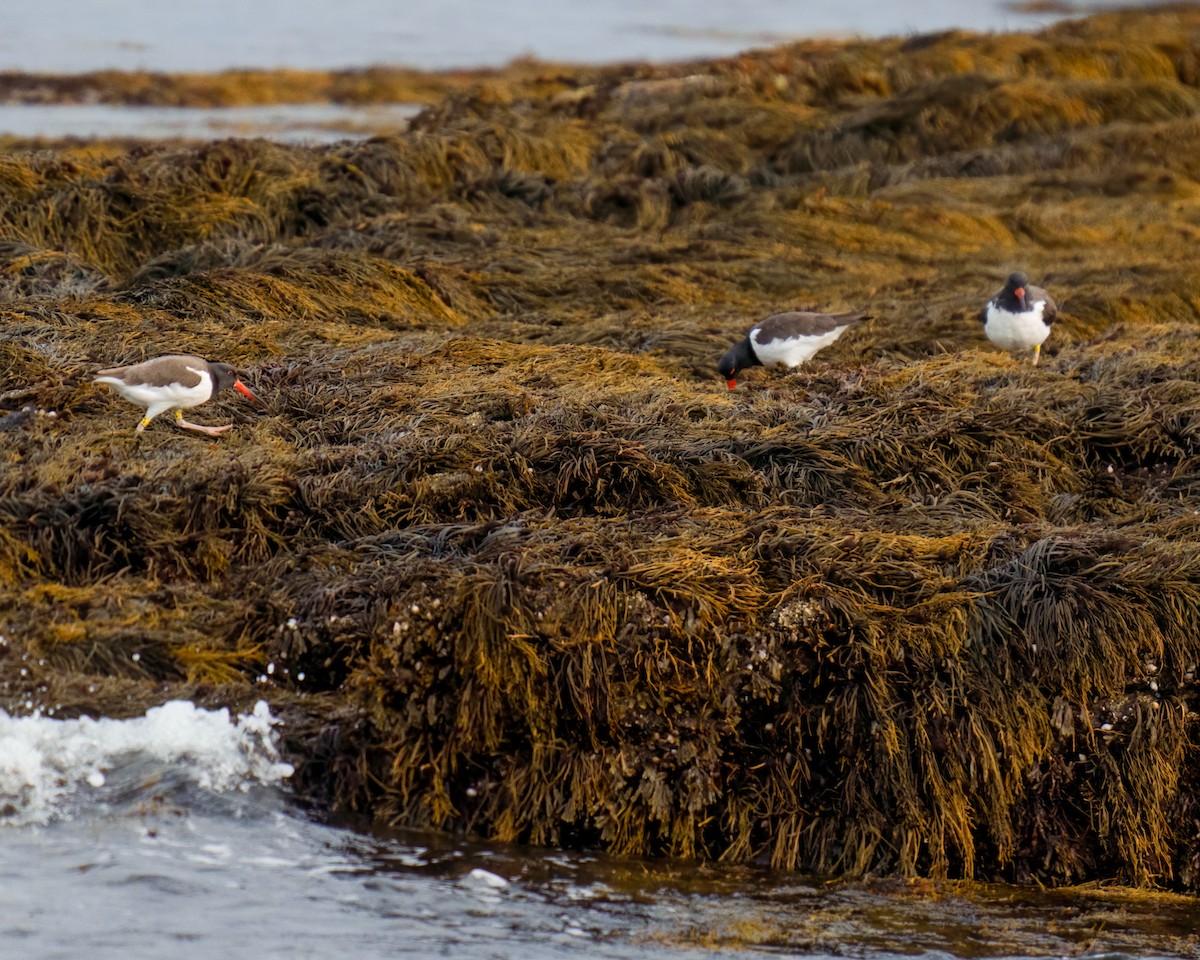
[[1019, 316], [785, 338], [174, 382]]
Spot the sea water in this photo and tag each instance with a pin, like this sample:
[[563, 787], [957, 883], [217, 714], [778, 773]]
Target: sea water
[[174, 834], [73, 36], [298, 123]]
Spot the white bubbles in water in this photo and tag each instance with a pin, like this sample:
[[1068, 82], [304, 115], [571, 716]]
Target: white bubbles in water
[[45, 762]]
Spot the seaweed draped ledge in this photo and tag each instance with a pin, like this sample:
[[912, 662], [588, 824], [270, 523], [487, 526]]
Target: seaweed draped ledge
[[509, 557]]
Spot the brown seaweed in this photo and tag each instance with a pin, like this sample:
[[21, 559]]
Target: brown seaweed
[[520, 563]]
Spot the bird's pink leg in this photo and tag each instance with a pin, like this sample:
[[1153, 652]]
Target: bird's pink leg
[[208, 431]]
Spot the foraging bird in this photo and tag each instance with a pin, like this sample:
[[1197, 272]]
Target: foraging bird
[[787, 338], [174, 382], [1019, 316]]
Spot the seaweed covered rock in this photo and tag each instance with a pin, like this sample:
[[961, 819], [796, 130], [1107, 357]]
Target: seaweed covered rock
[[510, 557]]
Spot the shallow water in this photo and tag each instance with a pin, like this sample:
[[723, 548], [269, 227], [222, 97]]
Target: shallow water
[[173, 835], [288, 123]]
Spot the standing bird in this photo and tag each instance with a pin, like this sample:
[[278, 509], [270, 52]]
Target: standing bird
[[1019, 316], [176, 383], [787, 338]]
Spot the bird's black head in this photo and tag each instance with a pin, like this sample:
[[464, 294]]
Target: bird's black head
[[1013, 296], [736, 358], [224, 377]]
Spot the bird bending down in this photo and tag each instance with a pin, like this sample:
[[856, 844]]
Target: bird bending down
[[1019, 316], [175, 382], [785, 338]]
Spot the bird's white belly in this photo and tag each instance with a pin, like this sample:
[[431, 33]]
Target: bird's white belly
[[1016, 331], [792, 351], [167, 397]]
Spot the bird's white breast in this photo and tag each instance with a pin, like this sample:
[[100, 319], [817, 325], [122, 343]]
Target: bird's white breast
[[1016, 331], [792, 351]]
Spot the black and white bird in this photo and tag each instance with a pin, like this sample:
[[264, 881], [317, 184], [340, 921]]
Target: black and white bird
[[1019, 316], [785, 338], [174, 382]]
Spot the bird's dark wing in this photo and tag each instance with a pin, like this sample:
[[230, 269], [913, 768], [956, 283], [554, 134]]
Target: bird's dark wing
[[799, 323], [1050, 311]]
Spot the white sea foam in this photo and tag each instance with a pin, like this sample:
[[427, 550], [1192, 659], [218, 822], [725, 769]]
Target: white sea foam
[[46, 763], [485, 878]]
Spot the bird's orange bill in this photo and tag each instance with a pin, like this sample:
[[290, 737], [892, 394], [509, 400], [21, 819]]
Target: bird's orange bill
[[732, 383], [245, 391]]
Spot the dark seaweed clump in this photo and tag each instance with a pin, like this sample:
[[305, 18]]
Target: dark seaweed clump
[[510, 557]]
